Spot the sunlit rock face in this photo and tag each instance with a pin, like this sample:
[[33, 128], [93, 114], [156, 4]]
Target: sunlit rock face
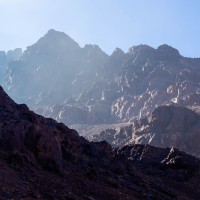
[[167, 126], [59, 79]]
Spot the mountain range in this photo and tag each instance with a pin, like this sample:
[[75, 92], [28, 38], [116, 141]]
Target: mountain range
[[109, 97], [132, 110], [74, 85]]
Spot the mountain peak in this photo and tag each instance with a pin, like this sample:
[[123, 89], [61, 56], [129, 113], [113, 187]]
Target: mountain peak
[[118, 50], [141, 49], [53, 41], [117, 53], [168, 50], [93, 49], [52, 31], [53, 35], [92, 46]]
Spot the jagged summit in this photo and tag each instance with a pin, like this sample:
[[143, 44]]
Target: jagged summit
[[58, 36], [165, 51]]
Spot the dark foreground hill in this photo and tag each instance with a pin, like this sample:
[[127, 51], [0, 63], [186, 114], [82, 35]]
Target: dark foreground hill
[[43, 159]]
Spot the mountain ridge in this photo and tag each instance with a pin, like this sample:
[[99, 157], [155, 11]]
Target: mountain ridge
[[122, 87]]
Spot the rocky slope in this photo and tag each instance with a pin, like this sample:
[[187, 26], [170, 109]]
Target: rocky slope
[[167, 126], [59, 79], [43, 159]]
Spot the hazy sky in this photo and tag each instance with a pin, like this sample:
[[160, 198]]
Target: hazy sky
[[108, 23]]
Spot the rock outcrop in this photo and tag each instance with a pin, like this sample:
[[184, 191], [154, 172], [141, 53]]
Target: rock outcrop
[[43, 159], [167, 126]]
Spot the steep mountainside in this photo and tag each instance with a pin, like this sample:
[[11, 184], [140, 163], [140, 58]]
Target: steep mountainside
[[43, 159], [5, 59], [53, 69], [167, 126], [59, 79]]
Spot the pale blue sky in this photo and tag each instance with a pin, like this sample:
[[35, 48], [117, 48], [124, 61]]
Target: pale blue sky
[[108, 23]]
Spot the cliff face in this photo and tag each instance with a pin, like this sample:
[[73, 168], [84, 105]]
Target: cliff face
[[5, 59], [167, 126], [43, 159], [59, 79], [171, 126]]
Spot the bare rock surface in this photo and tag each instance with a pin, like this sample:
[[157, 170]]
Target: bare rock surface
[[43, 159], [167, 126]]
